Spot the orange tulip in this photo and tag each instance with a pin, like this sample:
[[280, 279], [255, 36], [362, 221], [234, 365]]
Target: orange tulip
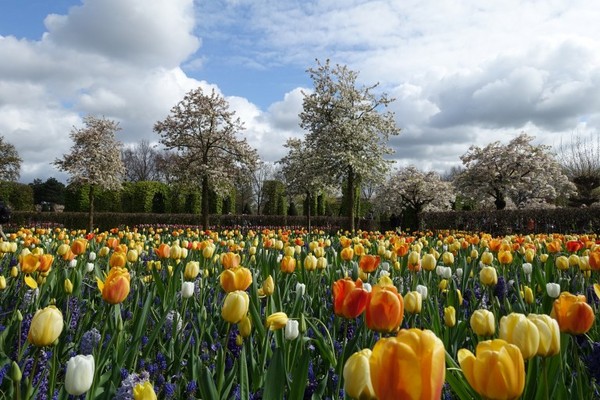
[[369, 263], [594, 260], [230, 260], [235, 279], [30, 263], [46, 261], [349, 298], [573, 314], [79, 246], [505, 257], [347, 254], [385, 309], [288, 264], [411, 365], [163, 251], [116, 287], [118, 259], [554, 246]]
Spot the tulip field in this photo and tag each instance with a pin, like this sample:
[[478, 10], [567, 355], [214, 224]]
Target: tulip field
[[282, 313]]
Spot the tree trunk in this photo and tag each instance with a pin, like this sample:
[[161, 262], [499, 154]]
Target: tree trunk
[[205, 202], [350, 188], [91, 213], [500, 203], [308, 203]]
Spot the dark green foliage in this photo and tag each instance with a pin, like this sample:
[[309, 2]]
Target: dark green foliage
[[274, 194], [17, 196], [52, 191]]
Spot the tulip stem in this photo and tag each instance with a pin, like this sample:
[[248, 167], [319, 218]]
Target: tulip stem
[[579, 383]]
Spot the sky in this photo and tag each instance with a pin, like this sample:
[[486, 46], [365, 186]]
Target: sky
[[462, 73]]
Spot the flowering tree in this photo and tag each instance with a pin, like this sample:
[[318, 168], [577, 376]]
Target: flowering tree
[[10, 162], [203, 132], [347, 130], [409, 189], [526, 174], [95, 158]]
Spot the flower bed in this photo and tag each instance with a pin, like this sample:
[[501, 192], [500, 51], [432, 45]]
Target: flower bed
[[280, 313]]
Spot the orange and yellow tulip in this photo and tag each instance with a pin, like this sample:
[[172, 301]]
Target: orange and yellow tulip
[[496, 371], [235, 279], [369, 263], [116, 287], [230, 260], [385, 309], [573, 314], [349, 298], [411, 365]]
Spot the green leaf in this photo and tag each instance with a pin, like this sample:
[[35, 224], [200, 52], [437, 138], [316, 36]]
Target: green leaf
[[300, 375], [207, 385], [243, 377], [274, 387]]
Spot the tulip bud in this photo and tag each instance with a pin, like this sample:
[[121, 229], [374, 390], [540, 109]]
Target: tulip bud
[[483, 322], [245, 326], [15, 372], [487, 258], [423, 290], [80, 374], [187, 289], [291, 331], [357, 377], [562, 263], [310, 262], [46, 326], [428, 262], [488, 276], [2, 282], [300, 289], [553, 289], [235, 306], [413, 302], [449, 316], [68, 286], [321, 263], [14, 272], [144, 391]]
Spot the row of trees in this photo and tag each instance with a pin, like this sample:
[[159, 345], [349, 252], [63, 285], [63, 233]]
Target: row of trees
[[342, 155]]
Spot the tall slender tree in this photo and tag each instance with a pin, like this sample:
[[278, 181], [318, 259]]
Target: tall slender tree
[[95, 158], [347, 129], [204, 135]]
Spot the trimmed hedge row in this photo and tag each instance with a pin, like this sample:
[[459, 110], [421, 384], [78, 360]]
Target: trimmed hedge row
[[557, 220]]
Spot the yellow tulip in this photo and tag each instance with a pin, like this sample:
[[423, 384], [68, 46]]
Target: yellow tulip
[[448, 258], [487, 258], [357, 376], [2, 282], [46, 326], [516, 329], [411, 365], [496, 371], [235, 306], [191, 271], [505, 257], [549, 334], [483, 322], [277, 321], [144, 391], [413, 301], [562, 263], [449, 316], [428, 262], [488, 276], [238, 278], [310, 262], [68, 286], [245, 326], [268, 287]]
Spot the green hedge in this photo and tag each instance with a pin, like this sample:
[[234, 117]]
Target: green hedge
[[557, 220]]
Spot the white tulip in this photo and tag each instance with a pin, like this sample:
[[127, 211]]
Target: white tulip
[[80, 374], [291, 329], [187, 289]]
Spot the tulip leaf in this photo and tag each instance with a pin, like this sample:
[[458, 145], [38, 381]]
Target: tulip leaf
[[243, 375], [274, 387], [207, 385], [300, 375]]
